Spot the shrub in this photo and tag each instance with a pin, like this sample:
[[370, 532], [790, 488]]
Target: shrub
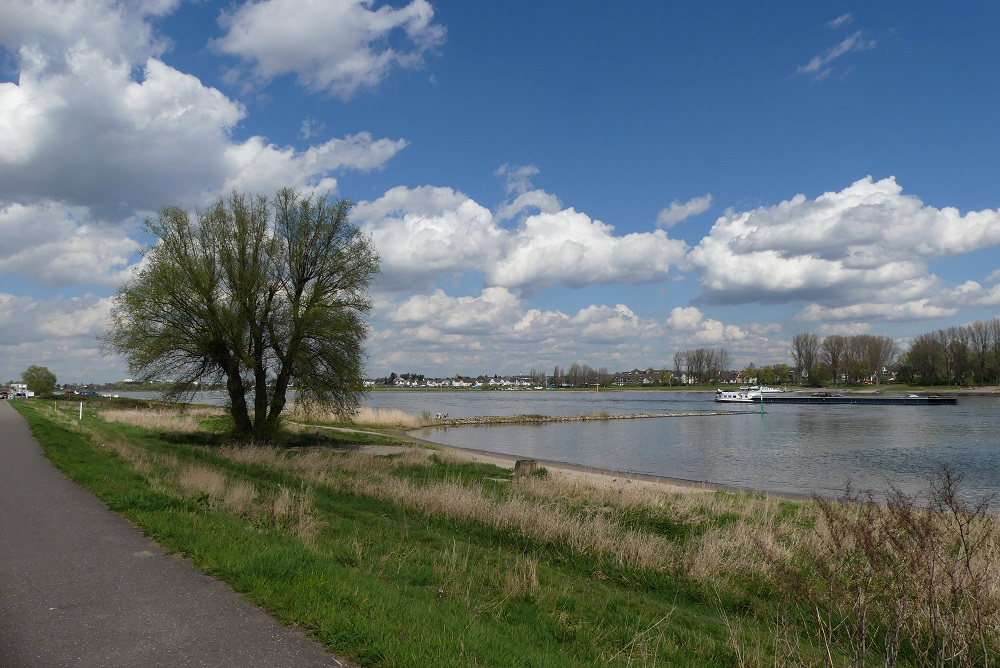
[[903, 582]]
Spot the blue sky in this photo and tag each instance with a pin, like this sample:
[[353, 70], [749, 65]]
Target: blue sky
[[547, 183]]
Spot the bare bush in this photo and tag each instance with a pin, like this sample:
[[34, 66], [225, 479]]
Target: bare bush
[[904, 583]]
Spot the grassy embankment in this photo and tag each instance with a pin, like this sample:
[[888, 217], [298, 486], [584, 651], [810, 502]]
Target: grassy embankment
[[411, 559]]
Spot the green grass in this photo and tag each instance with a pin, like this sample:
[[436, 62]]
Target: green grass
[[390, 585]]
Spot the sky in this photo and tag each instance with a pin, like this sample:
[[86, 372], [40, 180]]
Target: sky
[[546, 183]]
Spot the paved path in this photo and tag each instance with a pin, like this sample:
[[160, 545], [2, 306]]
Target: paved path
[[81, 586]]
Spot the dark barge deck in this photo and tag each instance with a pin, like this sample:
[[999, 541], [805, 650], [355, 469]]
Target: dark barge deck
[[867, 399]]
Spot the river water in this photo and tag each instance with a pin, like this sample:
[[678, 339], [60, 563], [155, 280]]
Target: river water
[[790, 449]]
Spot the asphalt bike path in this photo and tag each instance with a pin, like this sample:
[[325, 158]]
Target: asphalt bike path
[[81, 586]]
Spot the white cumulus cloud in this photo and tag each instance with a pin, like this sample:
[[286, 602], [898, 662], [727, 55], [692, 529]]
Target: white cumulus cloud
[[90, 142], [332, 45], [695, 328], [120, 29], [851, 245], [427, 231], [495, 328], [843, 329], [424, 232], [571, 248]]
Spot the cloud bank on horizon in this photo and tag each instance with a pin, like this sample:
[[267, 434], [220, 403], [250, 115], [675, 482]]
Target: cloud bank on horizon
[[111, 110]]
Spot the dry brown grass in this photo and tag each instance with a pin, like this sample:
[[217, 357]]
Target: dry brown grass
[[295, 510], [757, 534], [364, 415], [239, 496], [140, 460], [595, 534], [285, 507], [195, 480], [167, 420], [536, 507], [521, 581], [757, 528], [577, 487], [324, 466], [540, 508], [451, 566], [254, 454]]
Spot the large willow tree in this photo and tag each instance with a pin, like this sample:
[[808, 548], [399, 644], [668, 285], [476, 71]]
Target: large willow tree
[[255, 294]]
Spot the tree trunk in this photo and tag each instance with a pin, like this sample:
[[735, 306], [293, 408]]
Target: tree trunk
[[242, 425], [278, 400], [260, 400]]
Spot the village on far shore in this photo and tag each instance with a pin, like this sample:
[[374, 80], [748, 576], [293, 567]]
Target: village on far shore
[[540, 381]]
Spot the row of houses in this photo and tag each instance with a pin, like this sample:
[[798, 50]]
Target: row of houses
[[633, 378], [463, 382], [666, 377]]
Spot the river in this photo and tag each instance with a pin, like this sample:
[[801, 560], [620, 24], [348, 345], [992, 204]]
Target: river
[[790, 449]]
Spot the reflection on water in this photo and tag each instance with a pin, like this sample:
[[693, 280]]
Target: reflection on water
[[801, 449]]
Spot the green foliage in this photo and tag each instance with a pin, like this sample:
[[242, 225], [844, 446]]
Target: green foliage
[[39, 379], [253, 295]]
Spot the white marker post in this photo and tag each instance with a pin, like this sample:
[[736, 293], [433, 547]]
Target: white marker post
[[81, 410]]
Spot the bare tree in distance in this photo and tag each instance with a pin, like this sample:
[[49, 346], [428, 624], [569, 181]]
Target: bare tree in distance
[[805, 350], [834, 355]]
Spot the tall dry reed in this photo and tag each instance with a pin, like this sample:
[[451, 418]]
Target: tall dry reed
[[364, 415], [165, 419]]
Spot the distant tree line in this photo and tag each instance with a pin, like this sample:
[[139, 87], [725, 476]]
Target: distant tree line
[[580, 375], [703, 365], [965, 355], [840, 359], [775, 374]]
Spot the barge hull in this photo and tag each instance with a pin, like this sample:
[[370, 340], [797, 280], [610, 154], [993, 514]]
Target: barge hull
[[860, 399]]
